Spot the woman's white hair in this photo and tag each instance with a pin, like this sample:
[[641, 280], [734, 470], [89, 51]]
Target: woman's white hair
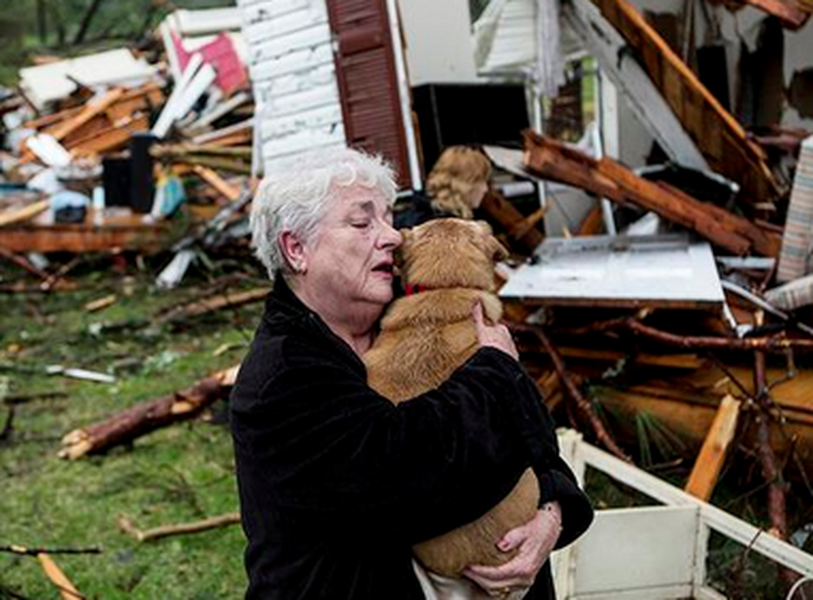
[[296, 194]]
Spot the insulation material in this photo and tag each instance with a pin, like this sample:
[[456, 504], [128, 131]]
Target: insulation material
[[792, 295], [794, 259]]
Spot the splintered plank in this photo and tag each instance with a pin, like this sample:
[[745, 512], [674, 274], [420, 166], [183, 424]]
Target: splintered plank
[[713, 452], [84, 238], [790, 15], [732, 154], [612, 180]]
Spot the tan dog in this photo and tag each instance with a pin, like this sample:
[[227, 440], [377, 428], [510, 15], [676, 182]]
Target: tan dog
[[424, 338]]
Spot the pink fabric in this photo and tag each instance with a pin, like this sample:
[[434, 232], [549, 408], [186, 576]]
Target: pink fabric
[[220, 53]]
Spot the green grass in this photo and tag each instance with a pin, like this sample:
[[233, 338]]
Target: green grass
[[178, 474]]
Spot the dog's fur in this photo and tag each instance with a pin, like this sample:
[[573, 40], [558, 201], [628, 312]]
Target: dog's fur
[[424, 338]]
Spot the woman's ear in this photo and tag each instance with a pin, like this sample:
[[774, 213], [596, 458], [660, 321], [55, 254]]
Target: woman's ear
[[293, 250]]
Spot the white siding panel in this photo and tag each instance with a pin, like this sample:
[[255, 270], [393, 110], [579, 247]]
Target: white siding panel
[[301, 142], [293, 74], [317, 118], [299, 61], [300, 81], [277, 47], [278, 105], [263, 10], [258, 31]]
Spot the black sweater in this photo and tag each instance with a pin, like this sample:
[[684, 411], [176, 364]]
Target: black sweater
[[336, 483]]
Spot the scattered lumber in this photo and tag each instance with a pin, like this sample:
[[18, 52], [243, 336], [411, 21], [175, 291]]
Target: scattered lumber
[[715, 448], [146, 535], [792, 16], [718, 135], [607, 178], [143, 418], [215, 303], [26, 213], [103, 124], [122, 234], [520, 230]]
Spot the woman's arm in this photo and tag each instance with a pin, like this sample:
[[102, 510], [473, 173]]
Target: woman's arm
[[324, 447]]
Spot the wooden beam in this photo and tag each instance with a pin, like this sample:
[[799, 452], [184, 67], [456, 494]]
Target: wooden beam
[[90, 110], [111, 137], [715, 447], [607, 178], [80, 238], [507, 215], [20, 215], [791, 16], [225, 189]]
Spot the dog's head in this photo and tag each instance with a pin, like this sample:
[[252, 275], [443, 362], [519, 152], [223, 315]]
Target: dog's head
[[446, 253]]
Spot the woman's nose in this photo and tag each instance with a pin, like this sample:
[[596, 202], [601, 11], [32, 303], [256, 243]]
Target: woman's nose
[[390, 237]]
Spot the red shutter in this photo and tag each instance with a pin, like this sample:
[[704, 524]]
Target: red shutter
[[368, 84]]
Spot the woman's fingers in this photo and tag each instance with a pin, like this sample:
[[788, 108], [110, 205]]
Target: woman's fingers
[[494, 336]]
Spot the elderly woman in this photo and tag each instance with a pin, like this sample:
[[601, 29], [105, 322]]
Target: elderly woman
[[336, 483]]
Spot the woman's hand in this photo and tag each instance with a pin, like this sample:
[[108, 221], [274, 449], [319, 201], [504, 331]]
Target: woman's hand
[[534, 542], [495, 336]]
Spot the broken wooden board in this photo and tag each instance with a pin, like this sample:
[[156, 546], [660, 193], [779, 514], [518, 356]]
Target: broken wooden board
[[793, 16], [100, 125], [607, 178], [717, 134], [715, 447], [130, 234], [688, 404]]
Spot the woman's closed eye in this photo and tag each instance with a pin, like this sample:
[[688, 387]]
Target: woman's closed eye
[[361, 224]]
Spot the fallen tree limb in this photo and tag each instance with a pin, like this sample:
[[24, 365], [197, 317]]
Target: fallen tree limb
[[138, 420], [24, 550], [215, 303], [581, 402], [145, 535], [773, 344]]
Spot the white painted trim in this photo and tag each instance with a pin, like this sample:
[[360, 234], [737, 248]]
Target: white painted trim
[[664, 592], [404, 95], [169, 113], [717, 519]]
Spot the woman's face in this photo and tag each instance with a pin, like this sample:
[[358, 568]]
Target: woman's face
[[351, 258]]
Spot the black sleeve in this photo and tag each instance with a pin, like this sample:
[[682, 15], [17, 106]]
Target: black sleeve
[[556, 479], [328, 450]]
